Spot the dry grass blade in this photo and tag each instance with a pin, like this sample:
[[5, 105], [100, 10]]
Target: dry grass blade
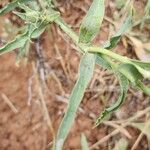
[[122, 129], [147, 125], [124, 124], [9, 103]]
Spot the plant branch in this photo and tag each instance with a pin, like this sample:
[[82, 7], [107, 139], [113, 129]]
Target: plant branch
[[65, 27], [93, 49]]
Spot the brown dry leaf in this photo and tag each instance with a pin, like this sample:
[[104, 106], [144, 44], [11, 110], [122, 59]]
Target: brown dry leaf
[[142, 50]]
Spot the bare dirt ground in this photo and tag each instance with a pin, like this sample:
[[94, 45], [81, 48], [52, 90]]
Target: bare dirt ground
[[23, 125]]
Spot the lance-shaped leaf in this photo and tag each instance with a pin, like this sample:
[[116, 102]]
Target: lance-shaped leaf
[[102, 62], [145, 65], [145, 72], [10, 6], [123, 90], [134, 76], [143, 87], [113, 41], [108, 64], [30, 16], [39, 30], [130, 72], [20, 40], [84, 143], [86, 70], [91, 23]]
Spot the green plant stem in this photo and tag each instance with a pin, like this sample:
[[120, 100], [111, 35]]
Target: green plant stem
[[122, 59], [65, 27], [83, 48], [93, 49], [111, 54], [11, 6]]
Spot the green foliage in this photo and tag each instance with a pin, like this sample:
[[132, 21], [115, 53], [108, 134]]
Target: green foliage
[[9, 7], [144, 65], [113, 41], [36, 24], [20, 40], [128, 71], [123, 90], [143, 87], [92, 22], [86, 70]]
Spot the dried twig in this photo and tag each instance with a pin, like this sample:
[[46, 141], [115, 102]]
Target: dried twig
[[147, 124], [61, 60], [122, 129], [9, 103], [124, 124], [42, 84]]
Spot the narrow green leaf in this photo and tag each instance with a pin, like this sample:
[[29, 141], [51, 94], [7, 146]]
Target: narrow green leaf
[[102, 62], [20, 15], [86, 70], [20, 40], [107, 63], [10, 6], [145, 73], [143, 87], [34, 16], [91, 23], [145, 65], [30, 15], [130, 72], [84, 143], [134, 76], [123, 90], [39, 30], [113, 41]]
